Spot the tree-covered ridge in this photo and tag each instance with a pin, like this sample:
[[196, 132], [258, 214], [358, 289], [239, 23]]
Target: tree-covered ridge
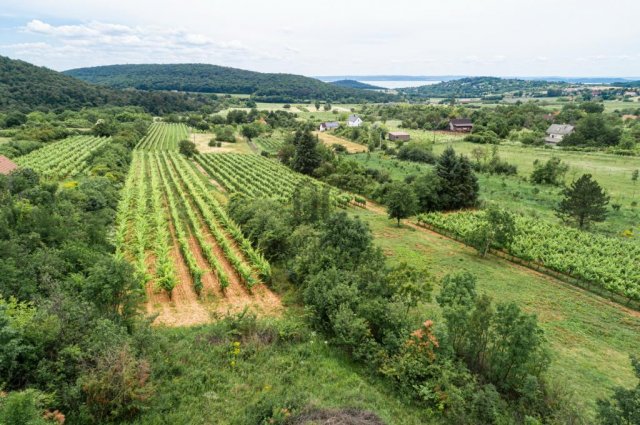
[[354, 84], [26, 87], [483, 86], [204, 78]]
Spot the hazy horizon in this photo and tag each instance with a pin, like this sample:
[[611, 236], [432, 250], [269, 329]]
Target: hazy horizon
[[564, 38]]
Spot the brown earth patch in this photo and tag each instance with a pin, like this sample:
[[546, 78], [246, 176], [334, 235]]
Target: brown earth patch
[[330, 139]]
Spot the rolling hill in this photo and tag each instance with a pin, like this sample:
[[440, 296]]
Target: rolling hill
[[204, 78], [354, 84], [26, 87], [481, 87]]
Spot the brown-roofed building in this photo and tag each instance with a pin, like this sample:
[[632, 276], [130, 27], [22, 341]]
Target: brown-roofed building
[[398, 135], [6, 165], [463, 125]]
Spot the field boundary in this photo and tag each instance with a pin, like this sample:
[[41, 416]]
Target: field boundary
[[532, 265]]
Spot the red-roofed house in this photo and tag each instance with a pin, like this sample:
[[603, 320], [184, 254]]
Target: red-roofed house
[[6, 165]]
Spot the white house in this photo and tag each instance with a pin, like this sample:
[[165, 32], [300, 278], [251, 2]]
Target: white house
[[556, 132], [329, 125], [354, 121]]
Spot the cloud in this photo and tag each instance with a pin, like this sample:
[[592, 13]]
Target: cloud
[[117, 43]]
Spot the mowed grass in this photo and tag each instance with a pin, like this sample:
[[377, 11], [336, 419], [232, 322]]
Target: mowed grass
[[195, 382], [590, 338]]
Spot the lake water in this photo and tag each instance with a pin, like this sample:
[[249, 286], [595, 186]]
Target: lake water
[[391, 84]]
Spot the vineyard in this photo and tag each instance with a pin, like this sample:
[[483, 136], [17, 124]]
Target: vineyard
[[269, 144], [163, 136], [610, 263], [181, 240], [255, 176], [64, 158]]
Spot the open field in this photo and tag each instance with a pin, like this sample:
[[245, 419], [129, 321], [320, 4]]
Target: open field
[[330, 139], [590, 338]]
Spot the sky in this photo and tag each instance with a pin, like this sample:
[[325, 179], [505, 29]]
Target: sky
[[333, 37]]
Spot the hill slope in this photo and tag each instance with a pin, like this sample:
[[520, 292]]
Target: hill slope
[[205, 78], [482, 86], [354, 84], [26, 87]]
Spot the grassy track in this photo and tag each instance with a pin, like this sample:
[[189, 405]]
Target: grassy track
[[590, 338]]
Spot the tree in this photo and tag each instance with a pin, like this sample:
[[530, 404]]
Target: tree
[[551, 172], [250, 131], [458, 184], [187, 148], [411, 284], [624, 407], [496, 228], [317, 105], [327, 106], [584, 201], [306, 157], [426, 188], [401, 201]]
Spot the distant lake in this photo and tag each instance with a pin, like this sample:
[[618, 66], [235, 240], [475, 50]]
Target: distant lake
[[391, 84]]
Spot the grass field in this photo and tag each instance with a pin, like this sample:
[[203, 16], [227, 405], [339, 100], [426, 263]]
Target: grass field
[[590, 338], [194, 378], [517, 194]]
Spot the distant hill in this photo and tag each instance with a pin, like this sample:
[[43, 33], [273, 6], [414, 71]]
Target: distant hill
[[482, 87], [203, 78], [353, 84], [28, 87]]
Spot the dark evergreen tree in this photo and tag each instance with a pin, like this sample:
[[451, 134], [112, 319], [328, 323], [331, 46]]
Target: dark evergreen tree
[[584, 202], [458, 184], [306, 157]]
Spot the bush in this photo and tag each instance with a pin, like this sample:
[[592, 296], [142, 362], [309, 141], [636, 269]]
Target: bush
[[225, 133], [416, 152]]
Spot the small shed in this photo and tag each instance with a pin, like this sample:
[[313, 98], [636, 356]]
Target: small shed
[[463, 125], [329, 125], [7, 165], [398, 136], [557, 132]]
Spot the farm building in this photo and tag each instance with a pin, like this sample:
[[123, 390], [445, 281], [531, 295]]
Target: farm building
[[329, 125], [354, 121], [6, 165], [398, 135], [556, 132], [463, 125]]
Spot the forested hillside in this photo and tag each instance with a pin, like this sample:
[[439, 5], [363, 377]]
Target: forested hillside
[[354, 84], [203, 78], [481, 87], [25, 87]]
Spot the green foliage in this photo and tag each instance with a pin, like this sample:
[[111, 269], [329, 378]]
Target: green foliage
[[24, 408], [481, 87], [401, 201], [459, 186], [225, 133], [624, 405], [584, 202], [306, 158], [593, 130], [551, 172], [187, 148], [496, 230], [417, 152], [27, 87]]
